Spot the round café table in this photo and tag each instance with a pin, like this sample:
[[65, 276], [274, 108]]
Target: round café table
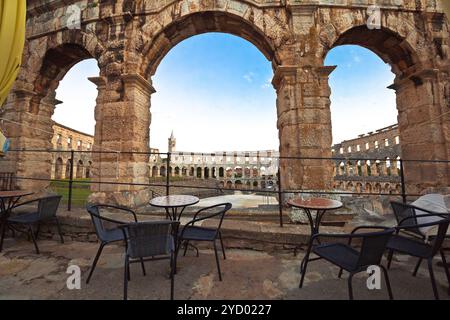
[[8, 199], [321, 206], [172, 204]]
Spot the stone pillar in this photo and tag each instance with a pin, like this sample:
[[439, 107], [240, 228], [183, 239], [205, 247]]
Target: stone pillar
[[122, 125], [424, 125], [29, 126], [304, 126], [364, 168]]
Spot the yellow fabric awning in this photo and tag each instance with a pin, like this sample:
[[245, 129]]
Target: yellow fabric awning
[[12, 39]]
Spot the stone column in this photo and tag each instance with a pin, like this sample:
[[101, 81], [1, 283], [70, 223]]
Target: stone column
[[122, 125], [424, 125], [364, 168], [27, 123], [304, 126]]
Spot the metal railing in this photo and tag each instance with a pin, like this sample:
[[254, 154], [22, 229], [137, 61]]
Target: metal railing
[[166, 159]]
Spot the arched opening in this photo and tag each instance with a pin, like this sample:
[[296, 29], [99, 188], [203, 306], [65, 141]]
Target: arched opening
[[342, 168], [154, 171], [177, 171], [88, 170], [421, 137], [360, 99], [44, 88], [191, 172], [228, 82], [162, 171]]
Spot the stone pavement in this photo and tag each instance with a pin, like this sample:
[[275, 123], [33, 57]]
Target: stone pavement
[[247, 274]]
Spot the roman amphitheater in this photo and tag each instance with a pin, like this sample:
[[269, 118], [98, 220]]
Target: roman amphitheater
[[375, 168], [129, 39]]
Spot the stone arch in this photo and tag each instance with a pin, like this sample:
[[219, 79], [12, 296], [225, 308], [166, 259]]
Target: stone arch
[[206, 172], [368, 188], [199, 172], [221, 172], [184, 171], [162, 171], [416, 61], [390, 45], [45, 63], [191, 171], [88, 169], [377, 188], [154, 171], [358, 187], [177, 171], [387, 188], [264, 34]]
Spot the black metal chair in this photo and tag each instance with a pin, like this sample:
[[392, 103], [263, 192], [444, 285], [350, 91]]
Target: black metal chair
[[149, 241], [107, 235], [45, 211], [417, 247], [191, 232], [348, 258], [403, 212]]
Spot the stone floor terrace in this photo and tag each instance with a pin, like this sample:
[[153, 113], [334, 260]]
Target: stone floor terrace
[[247, 274]]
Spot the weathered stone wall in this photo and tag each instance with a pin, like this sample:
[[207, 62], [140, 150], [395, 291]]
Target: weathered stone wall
[[130, 38], [66, 139]]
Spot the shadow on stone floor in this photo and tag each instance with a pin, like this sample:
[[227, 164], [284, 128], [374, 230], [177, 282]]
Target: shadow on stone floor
[[247, 274]]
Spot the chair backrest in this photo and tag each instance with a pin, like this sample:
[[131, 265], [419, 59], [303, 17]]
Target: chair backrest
[[48, 206], [440, 235], [403, 211], [152, 238], [7, 181], [373, 246], [217, 211], [94, 212]]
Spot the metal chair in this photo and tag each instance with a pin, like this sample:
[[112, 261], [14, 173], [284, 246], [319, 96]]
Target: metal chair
[[346, 257], [149, 241], [45, 211], [418, 247], [191, 232], [107, 235]]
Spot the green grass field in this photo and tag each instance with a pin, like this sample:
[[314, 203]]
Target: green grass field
[[80, 191]]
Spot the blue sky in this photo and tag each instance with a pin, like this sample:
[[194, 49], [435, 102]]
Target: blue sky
[[214, 91]]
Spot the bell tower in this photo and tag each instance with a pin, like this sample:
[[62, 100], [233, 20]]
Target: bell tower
[[172, 143]]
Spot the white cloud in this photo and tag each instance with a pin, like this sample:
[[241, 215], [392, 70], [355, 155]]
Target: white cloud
[[249, 76]]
